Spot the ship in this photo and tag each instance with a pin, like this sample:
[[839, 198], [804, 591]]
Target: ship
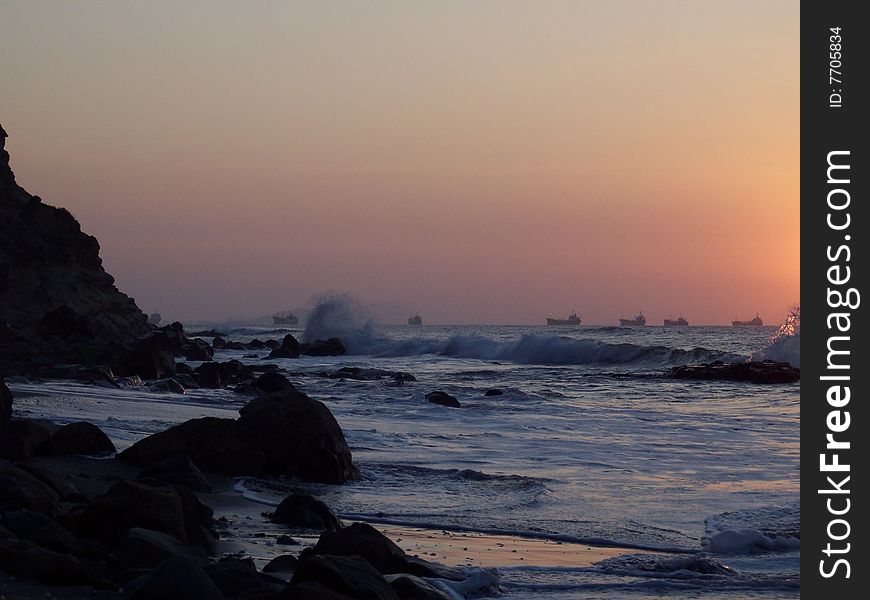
[[638, 321], [572, 319], [756, 322], [415, 320], [679, 322], [285, 318]]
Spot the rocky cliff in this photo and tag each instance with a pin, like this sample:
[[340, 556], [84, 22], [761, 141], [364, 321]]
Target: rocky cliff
[[55, 295]]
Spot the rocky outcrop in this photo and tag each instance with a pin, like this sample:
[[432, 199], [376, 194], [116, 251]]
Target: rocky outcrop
[[766, 371], [54, 293], [77, 438]]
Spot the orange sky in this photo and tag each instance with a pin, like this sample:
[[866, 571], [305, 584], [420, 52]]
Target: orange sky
[[475, 162]]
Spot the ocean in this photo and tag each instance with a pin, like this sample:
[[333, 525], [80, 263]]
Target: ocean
[[590, 442]]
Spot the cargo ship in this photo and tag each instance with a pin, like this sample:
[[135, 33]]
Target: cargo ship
[[285, 318], [415, 320], [638, 321], [679, 322], [572, 319], [756, 322]]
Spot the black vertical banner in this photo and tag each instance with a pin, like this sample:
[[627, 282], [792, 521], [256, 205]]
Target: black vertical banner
[[835, 224]]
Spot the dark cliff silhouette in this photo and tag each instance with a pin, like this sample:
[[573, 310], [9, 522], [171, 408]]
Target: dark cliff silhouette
[[55, 296]]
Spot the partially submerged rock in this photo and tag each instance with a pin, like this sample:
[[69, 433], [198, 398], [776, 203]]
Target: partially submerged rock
[[766, 371], [443, 398]]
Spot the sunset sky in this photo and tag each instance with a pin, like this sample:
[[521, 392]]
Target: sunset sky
[[487, 162]]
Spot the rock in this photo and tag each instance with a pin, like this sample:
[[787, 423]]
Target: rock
[[362, 374], [178, 470], [364, 540], [170, 338], [286, 563], [444, 399], [255, 344], [239, 578], [130, 504], [21, 490], [271, 382], [176, 577], [286, 540], [766, 371], [283, 433], [41, 530], [208, 375], [211, 443], [349, 575], [26, 560], [198, 350], [493, 392], [305, 512], [169, 386], [146, 548], [218, 343], [289, 348], [330, 347], [5, 405], [146, 358], [59, 483], [299, 437], [22, 437], [198, 520], [77, 438], [65, 323], [409, 587]]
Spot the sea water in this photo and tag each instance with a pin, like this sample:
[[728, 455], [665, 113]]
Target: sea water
[[589, 442]]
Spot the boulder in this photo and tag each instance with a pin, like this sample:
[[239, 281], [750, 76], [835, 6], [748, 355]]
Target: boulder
[[147, 359], [61, 484], [208, 375], [5, 405], [766, 371], [199, 350], [211, 443], [304, 512], [26, 560], [22, 437], [330, 347], [349, 575], [443, 398], [77, 438], [239, 578], [218, 343], [493, 392], [299, 437], [176, 577], [289, 348], [41, 530], [364, 540], [286, 563], [146, 548], [21, 490], [270, 382], [130, 504], [178, 470]]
